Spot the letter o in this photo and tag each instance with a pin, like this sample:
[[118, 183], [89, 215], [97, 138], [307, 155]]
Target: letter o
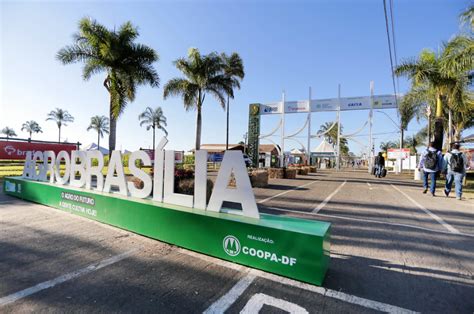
[[252, 252], [57, 169], [260, 254]]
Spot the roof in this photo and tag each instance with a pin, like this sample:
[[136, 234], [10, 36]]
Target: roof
[[218, 148], [93, 146], [266, 148], [324, 147], [296, 151]]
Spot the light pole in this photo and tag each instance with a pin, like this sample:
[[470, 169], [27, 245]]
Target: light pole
[[399, 127]]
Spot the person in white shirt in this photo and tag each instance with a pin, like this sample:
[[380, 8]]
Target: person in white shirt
[[455, 165]]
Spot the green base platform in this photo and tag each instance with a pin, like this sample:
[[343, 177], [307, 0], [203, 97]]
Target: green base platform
[[291, 247]]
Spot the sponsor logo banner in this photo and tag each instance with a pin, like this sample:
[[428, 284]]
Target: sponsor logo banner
[[331, 104], [17, 150]]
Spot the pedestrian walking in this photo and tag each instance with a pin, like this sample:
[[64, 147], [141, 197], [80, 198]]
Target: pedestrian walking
[[455, 165], [431, 163], [379, 165]]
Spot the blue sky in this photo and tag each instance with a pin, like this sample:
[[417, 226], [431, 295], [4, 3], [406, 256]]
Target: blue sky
[[285, 45]]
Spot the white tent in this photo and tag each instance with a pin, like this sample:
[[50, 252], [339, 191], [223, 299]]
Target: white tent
[[93, 146], [324, 150], [296, 151]]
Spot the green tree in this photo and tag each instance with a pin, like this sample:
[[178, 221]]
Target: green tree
[[61, 117], [385, 146], [234, 70], [416, 140], [31, 127], [331, 136], [100, 124], [153, 119], [8, 132], [426, 71], [204, 74], [126, 63]]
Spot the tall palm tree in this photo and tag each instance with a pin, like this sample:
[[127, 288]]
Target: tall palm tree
[[153, 119], [406, 111], [61, 117], [126, 63], [386, 145], [234, 70], [31, 127], [331, 136], [426, 71], [8, 132], [204, 74], [100, 124]]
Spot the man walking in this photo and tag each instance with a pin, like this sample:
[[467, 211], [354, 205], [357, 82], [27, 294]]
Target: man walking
[[455, 163], [379, 164], [431, 162]]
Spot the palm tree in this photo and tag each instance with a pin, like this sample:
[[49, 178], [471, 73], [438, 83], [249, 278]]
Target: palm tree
[[331, 136], [100, 124], [8, 132], [407, 111], [61, 117], [31, 127], [386, 145], [234, 70], [426, 71], [126, 63], [204, 74], [153, 119]]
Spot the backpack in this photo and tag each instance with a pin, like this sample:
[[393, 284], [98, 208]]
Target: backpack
[[456, 162], [431, 160]]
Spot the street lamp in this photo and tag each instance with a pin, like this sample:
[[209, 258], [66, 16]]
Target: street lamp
[[399, 127]]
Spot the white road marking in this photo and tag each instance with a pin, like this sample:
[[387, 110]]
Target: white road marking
[[58, 280], [324, 203], [288, 191], [370, 185], [434, 216], [379, 306], [370, 221], [224, 302], [257, 301]]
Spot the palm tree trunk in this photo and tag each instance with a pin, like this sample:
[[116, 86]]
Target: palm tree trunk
[[438, 127], [198, 123], [30, 134], [153, 140], [113, 129], [227, 129], [98, 140], [59, 138]]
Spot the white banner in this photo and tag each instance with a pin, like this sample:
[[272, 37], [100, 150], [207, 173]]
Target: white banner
[[331, 104]]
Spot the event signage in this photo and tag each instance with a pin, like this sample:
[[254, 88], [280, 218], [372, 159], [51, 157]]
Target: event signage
[[17, 150], [396, 153], [331, 104], [292, 247]]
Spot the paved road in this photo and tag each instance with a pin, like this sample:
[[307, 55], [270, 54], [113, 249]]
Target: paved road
[[393, 249]]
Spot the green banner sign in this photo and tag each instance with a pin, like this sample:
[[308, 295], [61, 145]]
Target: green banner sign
[[291, 247]]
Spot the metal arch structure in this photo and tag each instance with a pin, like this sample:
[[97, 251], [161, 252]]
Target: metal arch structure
[[309, 106]]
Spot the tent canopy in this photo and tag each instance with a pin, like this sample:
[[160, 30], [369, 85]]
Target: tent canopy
[[324, 150], [93, 146]]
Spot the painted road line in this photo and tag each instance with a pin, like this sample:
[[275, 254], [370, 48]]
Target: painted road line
[[257, 301], [324, 203], [371, 221], [224, 302], [379, 306], [434, 216], [370, 185], [59, 280], [288, 191]]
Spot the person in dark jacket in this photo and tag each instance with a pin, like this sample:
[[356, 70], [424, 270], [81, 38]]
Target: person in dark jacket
[[431, 163], [379, 165]]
